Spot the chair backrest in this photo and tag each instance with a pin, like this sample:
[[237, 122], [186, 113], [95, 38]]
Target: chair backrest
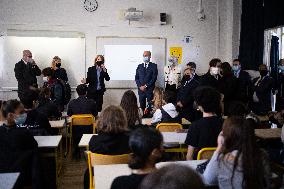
[[100, 159], [82, 119], [206, 153], [168, 127]]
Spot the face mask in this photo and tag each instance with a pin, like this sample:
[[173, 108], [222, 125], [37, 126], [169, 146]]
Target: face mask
[[21, 119], [99, 63], [236, 68], [214, 70], [58, 65], [45, 79], [186, 77], [30, 60], [263, 72], [281, 69], [146, 58]]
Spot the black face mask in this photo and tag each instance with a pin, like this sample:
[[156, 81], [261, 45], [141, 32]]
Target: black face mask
[[99, 63], [58, 65], [263, 73], [186, 77]]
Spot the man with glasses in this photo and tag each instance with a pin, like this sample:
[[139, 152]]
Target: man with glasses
[[26, 71]]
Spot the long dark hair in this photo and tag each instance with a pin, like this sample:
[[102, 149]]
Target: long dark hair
[[142, 142], [129, 105], [239, 135]]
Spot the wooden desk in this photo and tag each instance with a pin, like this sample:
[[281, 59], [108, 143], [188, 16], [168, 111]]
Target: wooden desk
[[105, 174], [268, 133], [51, 146], [169, 138], [8, 180]]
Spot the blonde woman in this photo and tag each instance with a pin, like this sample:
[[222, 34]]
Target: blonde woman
[[158, 98], [96, 77], [59, 73]]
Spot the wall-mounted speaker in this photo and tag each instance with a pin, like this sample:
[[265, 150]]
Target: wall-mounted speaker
[[163, 18]]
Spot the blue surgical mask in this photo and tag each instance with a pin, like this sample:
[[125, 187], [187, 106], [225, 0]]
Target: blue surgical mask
[[146, 58], [236, 68], [21, 119], [281, 69]]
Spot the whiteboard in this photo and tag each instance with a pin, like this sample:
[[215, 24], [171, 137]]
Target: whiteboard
[[122, 67], [71, 50]]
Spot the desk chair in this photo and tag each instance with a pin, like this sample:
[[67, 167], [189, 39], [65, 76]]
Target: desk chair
[[80, 120], [100, 159], [206, 153]]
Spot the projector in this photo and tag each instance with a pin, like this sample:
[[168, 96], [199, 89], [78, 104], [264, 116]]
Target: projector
[[133, 15]]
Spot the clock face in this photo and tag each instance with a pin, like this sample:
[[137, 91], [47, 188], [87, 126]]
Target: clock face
[[91, 5]]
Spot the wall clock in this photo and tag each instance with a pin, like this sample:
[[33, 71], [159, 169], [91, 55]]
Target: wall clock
[[91, 5]]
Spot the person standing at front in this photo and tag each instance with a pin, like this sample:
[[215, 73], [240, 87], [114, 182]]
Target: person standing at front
[[96, 77], [26, 71], [145, 78]]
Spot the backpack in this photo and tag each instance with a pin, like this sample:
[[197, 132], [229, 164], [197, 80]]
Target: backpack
[[66, 91]]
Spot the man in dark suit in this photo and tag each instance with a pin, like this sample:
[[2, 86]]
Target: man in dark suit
[[26, 71], [145, 78], [82, 105], [185, 94], [96, 77], [244, 82], [263, 88]]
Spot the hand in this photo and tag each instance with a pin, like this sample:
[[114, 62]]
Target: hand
[[220, 141], [83, 80], [103, 67], [142, 88], [179, 104], [33, 62]]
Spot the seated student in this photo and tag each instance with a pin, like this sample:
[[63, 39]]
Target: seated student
[[130, 107], [56, 88], [37, 123], [146, 147], [204, 132], [82, 105], [113, 136], [173, 176], [157, 98], [17, 146], [167, 113], [238, 162], [46, 106]]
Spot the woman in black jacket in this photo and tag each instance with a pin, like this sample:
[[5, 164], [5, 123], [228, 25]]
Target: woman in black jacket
[[96, 76], [59, 73]]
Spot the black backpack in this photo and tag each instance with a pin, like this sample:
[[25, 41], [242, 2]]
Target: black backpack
[[66, 91]]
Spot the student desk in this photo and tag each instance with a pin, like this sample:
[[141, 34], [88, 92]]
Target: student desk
[[147, 121], [105, 174], [169, 138], [8, 180], [268, 133], [51, 146]]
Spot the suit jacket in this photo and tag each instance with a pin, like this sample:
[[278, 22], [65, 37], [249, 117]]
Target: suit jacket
[[263, 91], [147, 76], [244, 87], [82, 105], [92, 79], [26, 75]]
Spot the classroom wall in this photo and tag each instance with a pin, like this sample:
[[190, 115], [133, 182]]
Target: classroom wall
[[217, 36]]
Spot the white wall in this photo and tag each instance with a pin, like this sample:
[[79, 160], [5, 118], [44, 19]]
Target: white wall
[[214, 37]]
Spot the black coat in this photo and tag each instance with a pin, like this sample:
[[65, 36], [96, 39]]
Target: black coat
[[263, 91], [244, 87], [92, 79], [61, 74], [82, 105], [26, 75], [186, 96], [48, 108], [209, 80]]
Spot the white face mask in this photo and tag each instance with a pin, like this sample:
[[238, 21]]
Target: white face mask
[[45, 79], [214, 70]]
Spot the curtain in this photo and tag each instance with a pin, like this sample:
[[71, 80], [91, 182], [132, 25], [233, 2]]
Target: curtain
[[273, 13], [252, 32], [274, 58], [267, 47]]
